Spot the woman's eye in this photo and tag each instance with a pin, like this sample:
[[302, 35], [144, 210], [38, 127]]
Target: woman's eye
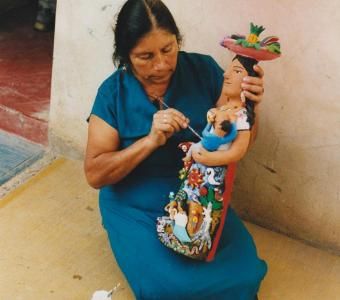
[[145, 56], [167, 49]]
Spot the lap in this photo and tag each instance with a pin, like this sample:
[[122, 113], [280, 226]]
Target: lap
[[156, 272]]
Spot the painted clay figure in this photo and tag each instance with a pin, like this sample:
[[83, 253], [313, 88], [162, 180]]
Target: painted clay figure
[[197, 210]]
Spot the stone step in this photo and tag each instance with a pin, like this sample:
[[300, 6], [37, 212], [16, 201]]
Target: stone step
[[16, 154]]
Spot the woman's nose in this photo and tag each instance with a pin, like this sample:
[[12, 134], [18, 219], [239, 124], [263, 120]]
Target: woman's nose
[[159, 62]]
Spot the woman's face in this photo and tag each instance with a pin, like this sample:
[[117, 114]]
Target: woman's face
[[233, 77], [154, 58]]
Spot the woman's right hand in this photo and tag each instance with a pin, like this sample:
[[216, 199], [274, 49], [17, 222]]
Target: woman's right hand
[[253, 87], [165, 123]]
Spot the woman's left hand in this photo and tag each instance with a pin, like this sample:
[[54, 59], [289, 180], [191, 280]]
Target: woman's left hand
[[253, 86]]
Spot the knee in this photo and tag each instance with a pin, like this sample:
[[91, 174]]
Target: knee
[[255, 274]]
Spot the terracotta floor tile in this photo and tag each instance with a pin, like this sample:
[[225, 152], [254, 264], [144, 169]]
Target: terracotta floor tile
[[25, 75]]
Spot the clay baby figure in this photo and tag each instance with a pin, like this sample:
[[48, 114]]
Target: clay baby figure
[[195, 213]]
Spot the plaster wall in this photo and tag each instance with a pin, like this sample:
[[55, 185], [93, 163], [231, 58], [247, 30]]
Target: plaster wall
[[290, 180]]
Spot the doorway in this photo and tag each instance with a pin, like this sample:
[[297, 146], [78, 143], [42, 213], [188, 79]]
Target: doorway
[[25, 84]]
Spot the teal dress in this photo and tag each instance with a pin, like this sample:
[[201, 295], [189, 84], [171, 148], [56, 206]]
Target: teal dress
[[130, 208]]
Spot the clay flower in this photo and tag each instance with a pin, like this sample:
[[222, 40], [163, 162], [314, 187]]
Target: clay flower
[[195, 178]]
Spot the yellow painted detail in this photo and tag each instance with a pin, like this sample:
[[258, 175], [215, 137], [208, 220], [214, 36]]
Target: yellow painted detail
[[252, 38]]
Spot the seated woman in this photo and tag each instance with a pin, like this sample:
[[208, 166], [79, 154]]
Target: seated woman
[[132, 157]]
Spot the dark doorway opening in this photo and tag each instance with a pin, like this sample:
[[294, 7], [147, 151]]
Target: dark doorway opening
[[25, 84]]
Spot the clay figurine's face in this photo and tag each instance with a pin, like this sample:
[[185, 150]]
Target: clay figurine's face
[[172, 213], [154, 58], [233, 77]]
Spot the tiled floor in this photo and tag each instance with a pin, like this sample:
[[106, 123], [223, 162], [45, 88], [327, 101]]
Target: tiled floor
[[16, 154], [25, 75]]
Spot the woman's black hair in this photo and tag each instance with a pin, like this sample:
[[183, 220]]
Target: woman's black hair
[[137, 18], [248, 63]]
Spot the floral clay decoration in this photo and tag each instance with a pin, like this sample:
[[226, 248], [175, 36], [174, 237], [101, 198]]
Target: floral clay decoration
[[196, 213], [251, 46]]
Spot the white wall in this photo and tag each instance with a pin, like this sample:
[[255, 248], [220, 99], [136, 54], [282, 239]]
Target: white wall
[[82, 60], [290, 181]]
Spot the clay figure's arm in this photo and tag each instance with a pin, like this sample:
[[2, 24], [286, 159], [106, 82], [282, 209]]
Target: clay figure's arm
[[224, 157]]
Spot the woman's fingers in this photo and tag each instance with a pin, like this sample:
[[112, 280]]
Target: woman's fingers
[[259, 71], [250, 80], [253, 86], [253, 97], [182, 120], [163, 123], [253, 92], [166, 123], [255, 89], [171, 117]]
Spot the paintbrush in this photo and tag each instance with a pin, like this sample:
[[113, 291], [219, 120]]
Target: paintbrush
[[159, 99]]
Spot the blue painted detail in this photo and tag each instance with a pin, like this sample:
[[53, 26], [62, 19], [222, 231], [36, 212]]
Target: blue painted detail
[[16, 154]]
